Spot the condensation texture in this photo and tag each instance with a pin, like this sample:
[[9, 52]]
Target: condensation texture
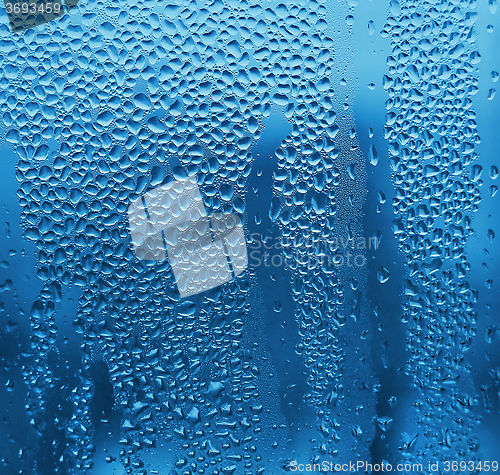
[[106, 368], [103, 106], [431, 130]]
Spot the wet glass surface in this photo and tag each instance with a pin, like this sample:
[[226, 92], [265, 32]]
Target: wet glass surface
[[244, 237]]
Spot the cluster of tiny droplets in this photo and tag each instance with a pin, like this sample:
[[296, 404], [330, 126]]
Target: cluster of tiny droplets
[[431, 77], [100, 105]]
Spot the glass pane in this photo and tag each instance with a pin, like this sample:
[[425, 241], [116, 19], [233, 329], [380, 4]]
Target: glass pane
[[245, 237]]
